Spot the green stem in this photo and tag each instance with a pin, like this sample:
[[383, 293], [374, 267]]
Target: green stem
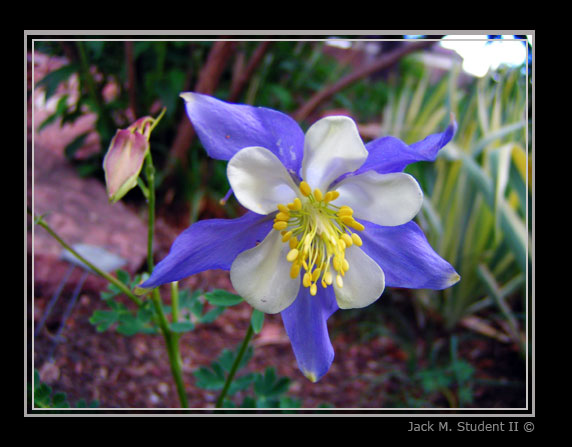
[[172, 342], [175, 301], [150, 174], [171, 339], [234, 367], [41, 222]]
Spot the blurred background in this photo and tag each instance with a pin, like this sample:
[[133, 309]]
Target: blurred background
[[464, 347]]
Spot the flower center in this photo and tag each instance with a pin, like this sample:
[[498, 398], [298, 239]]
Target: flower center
[[318, 233]]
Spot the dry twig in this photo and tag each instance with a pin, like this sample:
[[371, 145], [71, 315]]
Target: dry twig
[[383, 62]]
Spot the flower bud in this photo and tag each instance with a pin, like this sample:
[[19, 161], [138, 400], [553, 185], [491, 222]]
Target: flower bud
[[125, 156]]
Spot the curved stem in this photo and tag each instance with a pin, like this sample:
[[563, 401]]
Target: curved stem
[[41, 222], [234, 367]]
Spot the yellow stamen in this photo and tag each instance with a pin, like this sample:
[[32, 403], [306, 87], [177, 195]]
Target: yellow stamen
[[318, 235], [347, 239], [356, 226], [305, 189], [336, 263], [347, 219], [307, 280], [315, 274], [345, 211], [280, 225], [357, 240], [296, 205], [293, 242], [292, 255], [286, 236], [295, 270]]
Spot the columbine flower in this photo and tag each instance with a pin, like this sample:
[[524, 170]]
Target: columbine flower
[[125, 156], [329, 222]]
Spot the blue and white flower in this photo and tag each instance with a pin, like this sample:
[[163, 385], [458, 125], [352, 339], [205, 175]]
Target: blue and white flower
[[329, 221]]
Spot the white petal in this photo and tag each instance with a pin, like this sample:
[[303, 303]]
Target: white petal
[[363, 283], [332, 147], [384, 199], [259, 180], [261, 275]]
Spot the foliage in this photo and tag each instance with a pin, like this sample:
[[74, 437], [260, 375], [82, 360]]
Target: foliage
[[45, 397], [268, 390], [476, 194], [197, 308], [194, 308]]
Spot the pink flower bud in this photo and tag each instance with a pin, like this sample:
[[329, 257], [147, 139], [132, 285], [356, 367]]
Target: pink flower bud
[[124, 159]]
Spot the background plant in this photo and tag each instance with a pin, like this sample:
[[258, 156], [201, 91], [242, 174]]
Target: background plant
[[477, 193]]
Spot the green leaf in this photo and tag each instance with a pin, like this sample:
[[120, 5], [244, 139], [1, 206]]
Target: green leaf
[[211, 315], [103, 319], [268, 385], [51, 81], [182, 326], [257, 320], [209, 379], [76, 144], [222, 298], [241, 383], [123, 276], [59, 401]]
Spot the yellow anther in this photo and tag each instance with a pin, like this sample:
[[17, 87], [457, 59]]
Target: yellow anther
[[292, 255], [295, 270], [280, 225], [293, 242], [305, 189], [347, 239], [316, 274], [318, 235], [356, 225], [345, 211], [296, 205], [357, 240], [307, 280], [336, 263], [348, 220]]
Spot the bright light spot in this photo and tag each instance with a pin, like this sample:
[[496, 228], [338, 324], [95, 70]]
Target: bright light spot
[[480, 56], [344, 44]]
